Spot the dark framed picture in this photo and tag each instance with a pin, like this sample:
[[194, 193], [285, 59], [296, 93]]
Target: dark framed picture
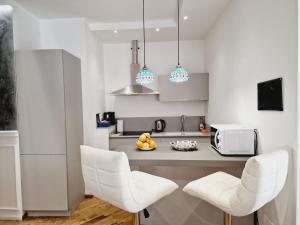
[[269, 95]]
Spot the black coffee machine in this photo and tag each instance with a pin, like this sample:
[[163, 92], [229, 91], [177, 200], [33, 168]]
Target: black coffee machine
[[110, 117]]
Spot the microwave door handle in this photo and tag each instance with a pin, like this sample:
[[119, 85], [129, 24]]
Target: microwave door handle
[[216, 135]]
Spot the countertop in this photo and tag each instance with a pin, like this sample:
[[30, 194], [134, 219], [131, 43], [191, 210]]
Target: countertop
[[165, 134], [165, 156]]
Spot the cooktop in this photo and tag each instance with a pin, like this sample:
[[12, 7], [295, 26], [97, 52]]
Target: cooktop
[[136, 132]]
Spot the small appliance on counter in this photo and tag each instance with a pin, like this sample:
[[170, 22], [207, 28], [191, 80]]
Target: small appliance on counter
[[233, 140], [202, 124], [101, 123], [120, 126], [109, 117], [159, 125]]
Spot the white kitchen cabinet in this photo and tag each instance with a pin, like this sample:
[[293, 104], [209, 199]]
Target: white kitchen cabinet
[[195, 89], [49, 106], [10, 178], [101, 139]]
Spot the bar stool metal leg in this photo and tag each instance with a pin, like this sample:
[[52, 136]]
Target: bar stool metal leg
[[227, 219]]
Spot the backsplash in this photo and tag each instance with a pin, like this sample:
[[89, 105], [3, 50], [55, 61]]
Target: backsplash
[[173, 123]]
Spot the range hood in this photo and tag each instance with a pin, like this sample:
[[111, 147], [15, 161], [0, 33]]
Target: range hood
[[134, 88]]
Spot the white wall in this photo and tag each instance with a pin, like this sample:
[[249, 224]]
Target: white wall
[[298, 113], [95, 98], [26, 27], [73, 36], [161, 58], [254, 41]]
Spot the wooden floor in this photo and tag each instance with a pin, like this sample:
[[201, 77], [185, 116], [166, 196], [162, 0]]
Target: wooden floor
[[90, 212]]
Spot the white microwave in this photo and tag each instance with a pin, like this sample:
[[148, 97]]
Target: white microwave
[[233, 140]]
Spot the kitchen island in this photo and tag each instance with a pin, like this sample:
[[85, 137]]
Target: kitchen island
[[183, 167], [163, 155]]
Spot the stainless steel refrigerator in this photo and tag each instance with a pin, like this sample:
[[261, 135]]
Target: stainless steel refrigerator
[[49, 111]]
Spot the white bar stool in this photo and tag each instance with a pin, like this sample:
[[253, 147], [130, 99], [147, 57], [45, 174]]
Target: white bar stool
[[262, 179], [107, 176]]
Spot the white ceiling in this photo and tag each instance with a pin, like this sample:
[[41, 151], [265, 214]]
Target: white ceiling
[[105, 16]]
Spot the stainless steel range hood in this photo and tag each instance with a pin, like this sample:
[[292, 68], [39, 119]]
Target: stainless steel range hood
[[134, 88]]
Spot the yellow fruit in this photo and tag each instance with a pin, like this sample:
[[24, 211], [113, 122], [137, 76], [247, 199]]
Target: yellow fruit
[[147, 135], [146, 145], [139, 144], [152, 144], [148, 140], [143, 138]]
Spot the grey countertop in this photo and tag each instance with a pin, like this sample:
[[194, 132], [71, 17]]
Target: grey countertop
[[166, 134], [165, 156]]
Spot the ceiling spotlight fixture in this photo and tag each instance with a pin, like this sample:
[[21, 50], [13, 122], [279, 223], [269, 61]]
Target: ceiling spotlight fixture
[[144, 76], [185, 17], [178, 74], [115, 31], [157, 29]]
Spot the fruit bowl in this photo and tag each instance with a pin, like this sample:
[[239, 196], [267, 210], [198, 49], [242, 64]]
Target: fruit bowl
[[146, 149], [184, 145], [145, 143]]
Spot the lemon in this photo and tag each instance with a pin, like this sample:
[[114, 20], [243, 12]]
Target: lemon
[[147, 135], [143, 138], [152, 144], [146, 145], [139, 144], [148, 140]]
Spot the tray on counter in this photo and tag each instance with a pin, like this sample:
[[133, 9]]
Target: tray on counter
[[184, 146]]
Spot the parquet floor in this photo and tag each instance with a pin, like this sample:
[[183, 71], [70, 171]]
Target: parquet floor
[[90, 212]]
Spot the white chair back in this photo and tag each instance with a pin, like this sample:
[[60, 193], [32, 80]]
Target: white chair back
[[107, 176], [263, 178]]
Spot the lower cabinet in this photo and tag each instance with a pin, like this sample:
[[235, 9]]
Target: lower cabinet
[[44, 182], [116, 142], [10, 179]]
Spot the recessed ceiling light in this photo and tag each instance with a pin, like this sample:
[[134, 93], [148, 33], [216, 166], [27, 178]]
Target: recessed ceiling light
[[185, 17], [157, 29], [115, 31]]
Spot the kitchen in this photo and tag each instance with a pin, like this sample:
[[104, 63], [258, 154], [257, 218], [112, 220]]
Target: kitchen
[[227, 47]]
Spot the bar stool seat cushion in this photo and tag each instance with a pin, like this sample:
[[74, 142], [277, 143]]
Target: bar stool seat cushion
[[107, 175], [216, 189], [263, 178], [151, 188]]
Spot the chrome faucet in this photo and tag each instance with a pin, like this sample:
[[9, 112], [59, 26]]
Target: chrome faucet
[[182, 119]]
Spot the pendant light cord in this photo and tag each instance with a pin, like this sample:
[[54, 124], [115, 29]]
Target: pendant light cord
[[144, 33], [178, 63]]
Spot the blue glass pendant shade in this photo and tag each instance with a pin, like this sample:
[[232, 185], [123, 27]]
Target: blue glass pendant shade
[[179, 74], [144, 76]]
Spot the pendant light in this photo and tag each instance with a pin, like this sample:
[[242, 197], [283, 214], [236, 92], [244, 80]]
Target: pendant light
[[178, 74], [144, 76]]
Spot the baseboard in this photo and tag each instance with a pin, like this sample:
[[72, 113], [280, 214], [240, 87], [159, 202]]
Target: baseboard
[[11, 215], [49, 213]]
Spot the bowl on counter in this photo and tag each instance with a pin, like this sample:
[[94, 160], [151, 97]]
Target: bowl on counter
[[145, 143], [184, 145], [146, 149]]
